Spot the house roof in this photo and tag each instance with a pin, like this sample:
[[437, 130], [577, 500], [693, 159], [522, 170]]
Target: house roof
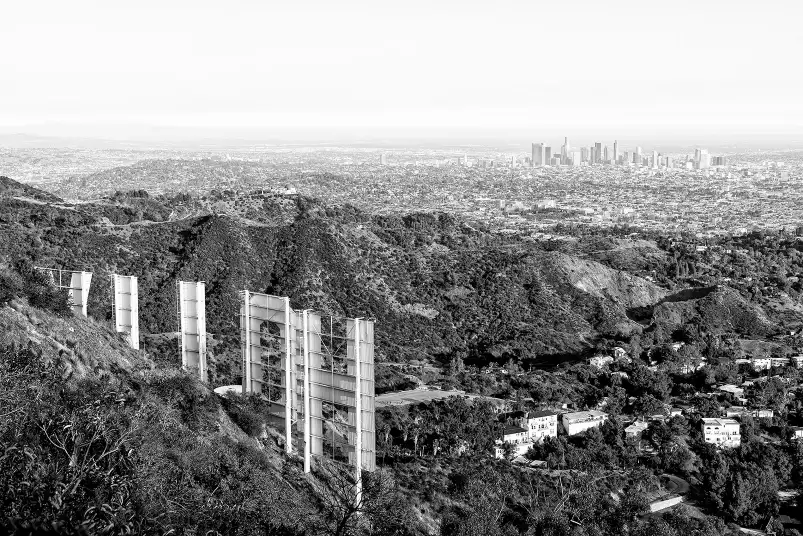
[[637, 427], [579, 416], [719, 422], [541, 413]]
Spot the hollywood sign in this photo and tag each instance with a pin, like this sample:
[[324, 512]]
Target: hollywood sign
[[315, 371]]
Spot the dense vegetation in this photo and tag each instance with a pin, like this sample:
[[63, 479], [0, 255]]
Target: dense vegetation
[[108, 446]]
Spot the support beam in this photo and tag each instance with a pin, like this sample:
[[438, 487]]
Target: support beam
[[75, 283], [245, 318], [358, 411], [307, 420], [288, 369]]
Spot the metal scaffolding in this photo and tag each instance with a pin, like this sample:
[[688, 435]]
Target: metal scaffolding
[[76, 283], [323, 365]]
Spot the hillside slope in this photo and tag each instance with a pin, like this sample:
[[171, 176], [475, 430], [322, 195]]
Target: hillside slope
[[95, 440], [436, 287]]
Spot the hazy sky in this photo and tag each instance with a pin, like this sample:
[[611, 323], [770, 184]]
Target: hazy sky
[[531, 64]]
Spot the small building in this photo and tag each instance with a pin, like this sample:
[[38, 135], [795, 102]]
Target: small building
[[761, 363], [580, 421], [515, 436], [538, 424], [600, 361], [735, 411], [620, 353], [721, 432], [780, 361], [797, 360], [541, 424], [635, 430], [738, 392], [763, 413], [797, 432]]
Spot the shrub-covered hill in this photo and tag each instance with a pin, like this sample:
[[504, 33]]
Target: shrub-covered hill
[[11, 188], [439, 289], [96, 440], [436, 286]]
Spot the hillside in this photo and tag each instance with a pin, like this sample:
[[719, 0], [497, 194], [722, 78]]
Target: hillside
[[439, 289], [94, 439], [98, 438], [436, 287], [12, 188]]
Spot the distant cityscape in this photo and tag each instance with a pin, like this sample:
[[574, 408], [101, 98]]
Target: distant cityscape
[[510, 192], [597, 154]]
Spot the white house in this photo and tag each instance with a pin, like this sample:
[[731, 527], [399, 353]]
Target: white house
[[721, 432], [621, 353], [761, 363], [541, 424], [635, 430], [516, 436], [580, 421], [600, 361]]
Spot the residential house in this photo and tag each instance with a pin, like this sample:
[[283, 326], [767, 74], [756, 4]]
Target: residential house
[[721, 432], [737, 392], [635, 430], [516, 436], [580, 421], [600, 361], [541, 424]]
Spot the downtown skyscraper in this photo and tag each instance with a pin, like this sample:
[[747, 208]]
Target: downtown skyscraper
[[538, 158]]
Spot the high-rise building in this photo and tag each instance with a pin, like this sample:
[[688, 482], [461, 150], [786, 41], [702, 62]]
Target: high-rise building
[[597, 153], [637, 156], [576, 158], [538, 157], [654, 159], [547, 155], [702, 159], [564, 151], [383, 159], [607, 158], [585, 154], [615, 152]]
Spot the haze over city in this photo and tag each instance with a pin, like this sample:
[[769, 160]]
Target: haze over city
[[450, 72]]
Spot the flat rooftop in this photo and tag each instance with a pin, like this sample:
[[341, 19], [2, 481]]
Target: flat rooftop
[[580, 416]]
